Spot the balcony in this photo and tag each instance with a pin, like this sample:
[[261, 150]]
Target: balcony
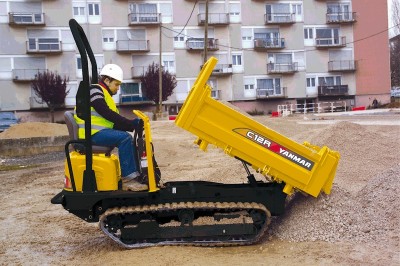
[[138, 71], [31, 19], [33, 103], [25, 75], [273, 93], [330, 42], [333, 90], [213, 19], [132, 99], [342, 65], [126, 46], [144, 18], [43, 45], [341, 17], [290, 68], [221, 69], [279, 18], [265, 44], [197, 44]]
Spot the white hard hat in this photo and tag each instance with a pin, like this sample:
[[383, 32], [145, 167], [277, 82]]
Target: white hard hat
[[112, 71]]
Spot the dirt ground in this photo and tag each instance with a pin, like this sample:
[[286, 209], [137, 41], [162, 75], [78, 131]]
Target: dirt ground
[[357, 224]]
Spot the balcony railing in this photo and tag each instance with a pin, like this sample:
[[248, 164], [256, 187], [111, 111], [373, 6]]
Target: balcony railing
[[138, 71], [272, 93], [341, 17], [273, 43], [213, 18], [33, 103], [221, 69], [279, 18], [133, 46], [144, 18], [132, 98], [333, 90], [43, 45], [198, 44], [342, 65], [19, 18], [330, 42], [282, 68], [21, 75]]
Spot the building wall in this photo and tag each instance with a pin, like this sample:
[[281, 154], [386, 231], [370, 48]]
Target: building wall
[[372, 53], [371, 78]]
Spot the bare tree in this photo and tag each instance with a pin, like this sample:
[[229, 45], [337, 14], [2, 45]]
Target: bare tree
[[50, 88], [150, 83]]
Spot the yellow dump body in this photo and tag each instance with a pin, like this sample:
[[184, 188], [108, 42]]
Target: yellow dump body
[[304, 166]]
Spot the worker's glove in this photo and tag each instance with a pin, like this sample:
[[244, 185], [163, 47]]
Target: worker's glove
[[138, 124]]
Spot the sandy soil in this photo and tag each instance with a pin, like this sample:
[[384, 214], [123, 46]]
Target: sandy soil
[[357, 224]]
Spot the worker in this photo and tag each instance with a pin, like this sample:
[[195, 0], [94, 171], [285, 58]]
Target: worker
[[109, 128]]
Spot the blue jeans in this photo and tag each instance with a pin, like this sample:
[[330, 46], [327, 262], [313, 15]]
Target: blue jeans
[[126, 149]]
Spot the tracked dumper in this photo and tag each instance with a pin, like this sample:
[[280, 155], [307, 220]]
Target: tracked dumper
[[191, 212]]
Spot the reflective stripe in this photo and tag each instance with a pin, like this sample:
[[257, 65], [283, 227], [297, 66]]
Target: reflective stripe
[[93, 127]]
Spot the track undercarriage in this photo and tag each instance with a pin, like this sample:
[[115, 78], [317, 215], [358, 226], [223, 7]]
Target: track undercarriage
[[182, 213], [193, 223]]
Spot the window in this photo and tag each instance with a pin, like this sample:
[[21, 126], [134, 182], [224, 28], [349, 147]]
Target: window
[[131, 92], [308, 33], [168, 62], [237, 59], [327, 36], [143, 12], [79, 11], [44, 44], [329, 81], [179, 38], [339, 12], [234, 12], [99, 64], [297, 9], [94, 9], [310, 82], [249, 87], [271, 86], [85, 12]]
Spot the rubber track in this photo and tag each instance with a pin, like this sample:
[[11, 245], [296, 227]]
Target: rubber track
[[187, 205]]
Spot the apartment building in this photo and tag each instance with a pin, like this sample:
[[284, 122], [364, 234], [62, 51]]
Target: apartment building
[[270, 52]]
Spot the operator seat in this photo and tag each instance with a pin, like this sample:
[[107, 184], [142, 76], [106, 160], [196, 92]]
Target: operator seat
[[73, 135]]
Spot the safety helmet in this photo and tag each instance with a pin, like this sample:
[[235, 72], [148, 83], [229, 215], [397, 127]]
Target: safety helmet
[[112, 71]]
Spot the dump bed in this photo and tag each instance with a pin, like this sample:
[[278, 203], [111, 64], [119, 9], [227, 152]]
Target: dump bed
[[304, 166]]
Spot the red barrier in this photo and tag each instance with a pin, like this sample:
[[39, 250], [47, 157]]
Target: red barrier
[[275, 114], [359, 108]]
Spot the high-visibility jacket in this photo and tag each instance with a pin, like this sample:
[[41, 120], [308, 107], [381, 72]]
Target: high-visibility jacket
[[98, 122]]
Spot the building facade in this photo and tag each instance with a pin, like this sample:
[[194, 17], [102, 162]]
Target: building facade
[[269, 53]]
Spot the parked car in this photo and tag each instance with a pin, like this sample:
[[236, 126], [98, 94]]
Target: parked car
[[7, 119]]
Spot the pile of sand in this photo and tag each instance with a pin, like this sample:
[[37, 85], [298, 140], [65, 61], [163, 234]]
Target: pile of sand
[[34, 129]]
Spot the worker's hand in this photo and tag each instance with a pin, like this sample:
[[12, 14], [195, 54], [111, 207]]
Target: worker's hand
[[138, 124]]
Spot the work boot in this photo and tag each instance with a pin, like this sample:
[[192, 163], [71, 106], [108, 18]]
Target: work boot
[[131, 183]]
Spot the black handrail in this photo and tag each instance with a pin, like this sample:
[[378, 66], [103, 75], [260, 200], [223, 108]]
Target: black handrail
[[83, 100]]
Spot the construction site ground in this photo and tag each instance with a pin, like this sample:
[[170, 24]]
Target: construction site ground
[[357, 224]]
